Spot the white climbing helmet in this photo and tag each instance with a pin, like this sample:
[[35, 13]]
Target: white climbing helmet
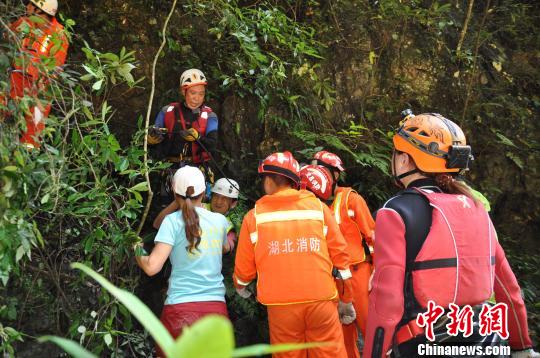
[[48, 6], [192, 77], [226, 187]]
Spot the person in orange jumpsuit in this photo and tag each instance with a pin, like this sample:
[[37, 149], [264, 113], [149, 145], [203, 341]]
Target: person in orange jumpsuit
[[290, 243], [42, 46], [357, 226]]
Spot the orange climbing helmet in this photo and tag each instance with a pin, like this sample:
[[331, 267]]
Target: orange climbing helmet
[[317, 180], [436, 144], [329, 160], [281, 164]]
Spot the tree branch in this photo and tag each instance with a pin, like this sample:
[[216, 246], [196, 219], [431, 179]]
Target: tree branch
[[465, 25], [147, 122]]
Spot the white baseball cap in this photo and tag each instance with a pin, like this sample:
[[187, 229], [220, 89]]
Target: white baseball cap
[[226, 187], [189, 176]]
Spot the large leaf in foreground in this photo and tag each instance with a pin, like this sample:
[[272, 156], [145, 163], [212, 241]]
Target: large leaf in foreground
[[210, 337], [69, 346]]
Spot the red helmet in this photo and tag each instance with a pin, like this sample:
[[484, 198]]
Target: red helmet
[[281, 164], [317, 180], [328, 159]]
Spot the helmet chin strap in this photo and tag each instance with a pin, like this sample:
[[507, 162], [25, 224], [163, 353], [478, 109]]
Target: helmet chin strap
[[406, 174], [397, 178]]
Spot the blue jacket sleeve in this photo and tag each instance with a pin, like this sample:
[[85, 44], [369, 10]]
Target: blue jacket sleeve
[[160, 120]]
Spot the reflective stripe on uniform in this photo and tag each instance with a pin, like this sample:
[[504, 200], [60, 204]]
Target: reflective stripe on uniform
[[337, 207], [240, 282], [325, 230], [289, 215], [45, 44]]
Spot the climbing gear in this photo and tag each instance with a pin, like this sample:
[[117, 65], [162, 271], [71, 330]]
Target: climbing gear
[[282, 164], [317, 180], [436, 144], [192, 77], [329, 160], [186, 177], [173, 115], [226, 187], [50, 7], [190, 134]]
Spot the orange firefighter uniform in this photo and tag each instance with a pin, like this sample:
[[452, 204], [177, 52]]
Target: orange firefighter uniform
[[290, 242], [43, 48], [356, 224]]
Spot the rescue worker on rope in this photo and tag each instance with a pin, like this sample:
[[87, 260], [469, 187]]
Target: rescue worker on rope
[[194, 239], [356, 224], [436, 242], [290, 242], [225, 193], [42, 45], [187, 132]]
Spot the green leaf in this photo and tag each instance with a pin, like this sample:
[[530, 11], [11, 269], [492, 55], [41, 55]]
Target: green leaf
[[516, 159], [10, 168], [37, 19], [20, 253], [142, 186], [262, 349], [137, 309], [69, 346], [210, 337], [505, 140], [107, 339], [97, 85], [45, 198]]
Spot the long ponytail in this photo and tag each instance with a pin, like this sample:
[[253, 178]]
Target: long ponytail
[[449, 184], [191, 220]]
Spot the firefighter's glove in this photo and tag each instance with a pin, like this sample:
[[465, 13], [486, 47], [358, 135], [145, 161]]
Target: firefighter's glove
[[155, 136], [526, 353], [190, 135], [243, 292], [346, 311]]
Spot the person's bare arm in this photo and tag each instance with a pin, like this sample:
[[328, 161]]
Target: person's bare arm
[[171, 208], [153, 263]]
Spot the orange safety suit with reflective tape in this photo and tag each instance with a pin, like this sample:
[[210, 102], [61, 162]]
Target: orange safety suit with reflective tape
[[43, 48], [356, 224], [290, 242]]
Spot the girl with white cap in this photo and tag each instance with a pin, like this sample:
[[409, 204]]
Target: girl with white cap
[[194, 239]]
